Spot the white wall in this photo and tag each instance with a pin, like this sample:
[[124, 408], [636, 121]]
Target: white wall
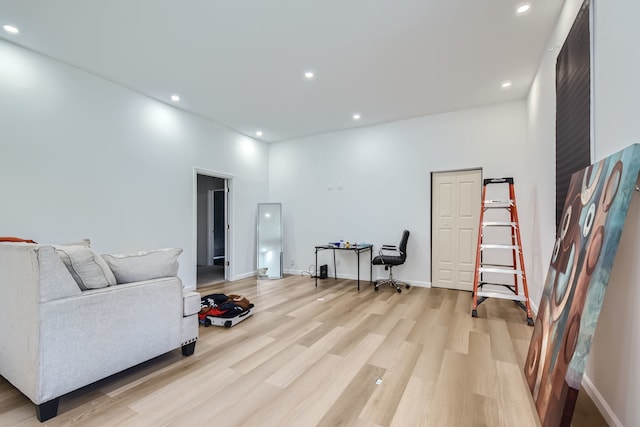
[[612, 373], [384, 172], [82, 157], [613, 367]]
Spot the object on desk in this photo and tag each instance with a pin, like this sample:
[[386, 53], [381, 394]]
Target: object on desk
[[324, 271], [347, 245]]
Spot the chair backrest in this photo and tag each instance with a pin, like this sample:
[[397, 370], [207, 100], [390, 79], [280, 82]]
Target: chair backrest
[[403, 244]]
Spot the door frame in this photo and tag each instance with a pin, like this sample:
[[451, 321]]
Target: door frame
[[229, 268], [479, 168]]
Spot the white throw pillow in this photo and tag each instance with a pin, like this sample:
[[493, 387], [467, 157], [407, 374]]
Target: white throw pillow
[[87, 267], [146, 265]]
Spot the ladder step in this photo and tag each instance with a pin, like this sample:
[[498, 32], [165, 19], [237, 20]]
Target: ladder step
[[498, 246], [498, 203], [510, 201], [490, 264], [499, 224], [512, 287], [502, 295], [499, 270]]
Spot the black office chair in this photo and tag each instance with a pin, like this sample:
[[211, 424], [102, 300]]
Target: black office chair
[[390, 256]]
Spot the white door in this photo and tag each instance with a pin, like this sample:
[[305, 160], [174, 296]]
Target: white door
[[455, 216]]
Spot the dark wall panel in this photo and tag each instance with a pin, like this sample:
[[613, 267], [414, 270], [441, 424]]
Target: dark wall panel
[[573, 106]]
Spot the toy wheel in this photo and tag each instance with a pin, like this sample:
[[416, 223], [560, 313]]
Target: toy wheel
[[474, 313], [407, 286], [207, 323], [529, 321], [375, 288], [227, 324]]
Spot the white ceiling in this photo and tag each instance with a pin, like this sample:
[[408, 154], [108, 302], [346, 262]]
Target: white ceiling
[[241, 63]]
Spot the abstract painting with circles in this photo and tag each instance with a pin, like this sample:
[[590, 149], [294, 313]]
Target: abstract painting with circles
[[586, 243]]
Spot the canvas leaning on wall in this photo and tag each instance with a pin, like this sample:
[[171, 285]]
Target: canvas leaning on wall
[[586, 243]]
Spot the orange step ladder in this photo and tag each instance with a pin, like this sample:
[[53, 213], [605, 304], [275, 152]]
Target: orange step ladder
[[494, 267]]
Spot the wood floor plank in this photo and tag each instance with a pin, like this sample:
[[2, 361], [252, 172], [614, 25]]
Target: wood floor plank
[[296, 367], [347, 408], [480, 411], [482, 374], [413, 408], [386, 357], [301, 399], [382, 404], [514, 400], [447, 407], [429, 362]]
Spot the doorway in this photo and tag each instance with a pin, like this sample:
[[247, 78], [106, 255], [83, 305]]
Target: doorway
[[455, 216], [212, 229]]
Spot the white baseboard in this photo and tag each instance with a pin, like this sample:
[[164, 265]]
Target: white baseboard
[[600, 403], [245, 275]]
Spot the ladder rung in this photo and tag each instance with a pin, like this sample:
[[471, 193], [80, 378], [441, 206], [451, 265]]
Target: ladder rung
[[496, 202], [499, 270], [498, 246], [490, 264], [502, 295], [499, 224], [512, 287]]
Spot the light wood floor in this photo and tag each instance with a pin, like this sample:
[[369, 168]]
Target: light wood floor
[[312, 357]]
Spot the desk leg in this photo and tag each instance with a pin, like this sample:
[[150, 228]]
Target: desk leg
[[316, 272], [371, 265], [335, 272], [358, 252]]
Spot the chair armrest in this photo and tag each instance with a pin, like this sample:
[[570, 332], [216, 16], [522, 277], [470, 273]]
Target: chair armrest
[[388, 248]]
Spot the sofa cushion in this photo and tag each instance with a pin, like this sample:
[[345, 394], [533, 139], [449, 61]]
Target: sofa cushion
[[88, 268], [147, 265]]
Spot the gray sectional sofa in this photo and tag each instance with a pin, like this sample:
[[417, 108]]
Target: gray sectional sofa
[[61, 328]]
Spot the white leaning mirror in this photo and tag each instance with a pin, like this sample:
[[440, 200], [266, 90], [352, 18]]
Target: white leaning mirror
[[269, 241]]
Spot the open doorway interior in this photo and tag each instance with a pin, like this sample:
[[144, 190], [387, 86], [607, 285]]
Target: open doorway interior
[[211, 230]]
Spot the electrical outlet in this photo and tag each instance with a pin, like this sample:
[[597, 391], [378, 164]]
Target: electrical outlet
[[292, 262]]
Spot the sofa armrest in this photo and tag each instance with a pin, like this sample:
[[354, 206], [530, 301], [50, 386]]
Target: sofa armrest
[[191, 302], [106, 330]]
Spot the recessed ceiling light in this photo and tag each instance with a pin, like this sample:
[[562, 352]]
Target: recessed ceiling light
[[175, 98], [506, 85], [309, 75], [356, 116], [10, 29], [523, 8], [258, 133]]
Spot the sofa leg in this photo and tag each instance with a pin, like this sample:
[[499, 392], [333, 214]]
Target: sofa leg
[[189, 349], [47, 410]]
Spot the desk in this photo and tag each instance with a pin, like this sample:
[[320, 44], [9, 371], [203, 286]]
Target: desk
[[358, 249]]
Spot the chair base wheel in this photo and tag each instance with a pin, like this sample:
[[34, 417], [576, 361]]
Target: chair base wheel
[[529, 321], [474, 313], [399, 290]]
